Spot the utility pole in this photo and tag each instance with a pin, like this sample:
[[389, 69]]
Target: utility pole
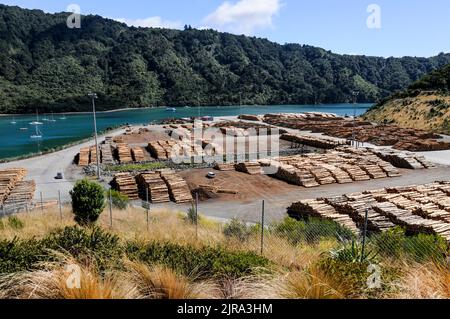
[[93, 96]]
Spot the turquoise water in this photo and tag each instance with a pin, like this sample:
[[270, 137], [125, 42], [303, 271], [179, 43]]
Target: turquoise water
[[16, 142]]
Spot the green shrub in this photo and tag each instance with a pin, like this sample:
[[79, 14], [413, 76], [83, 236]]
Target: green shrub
[[239, 230], [192, 216], [19, 255], [118, 200], [353, 253], [88, 202], [423, 247], [86, 243], [2, 225], [205, 262], [311, 231], [15, 223], [81, 243]]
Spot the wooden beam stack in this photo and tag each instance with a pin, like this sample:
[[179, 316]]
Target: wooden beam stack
[[152, 183], [21, 195], [178, 188], [124, 153], [138, 154], [83, 159], [320, 209], [252, 168], [125, 183]]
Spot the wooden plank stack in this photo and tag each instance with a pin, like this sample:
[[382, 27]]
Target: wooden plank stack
[[21, 195], [8, 180], [83, 159], [178, 188], [252, 168], [124, 153], [156, 187], [138, 154], [125, 183], [320, 209], [312, 141], [107, 155]]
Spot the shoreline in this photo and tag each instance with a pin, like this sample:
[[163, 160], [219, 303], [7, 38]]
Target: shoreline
[[181, 107]]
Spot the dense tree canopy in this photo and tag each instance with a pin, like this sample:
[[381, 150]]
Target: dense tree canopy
[[46, 65]]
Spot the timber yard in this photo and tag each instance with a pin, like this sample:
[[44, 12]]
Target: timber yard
[[303, 165]]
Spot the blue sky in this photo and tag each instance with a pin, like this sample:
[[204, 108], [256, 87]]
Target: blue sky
[[398, 27]]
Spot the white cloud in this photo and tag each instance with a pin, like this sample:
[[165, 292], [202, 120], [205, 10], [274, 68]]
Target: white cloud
[[152, 22], [244, 16]]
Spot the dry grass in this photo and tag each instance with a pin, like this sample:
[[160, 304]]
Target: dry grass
[[160, 283], [66, 279], [425, 281], [312, 283]]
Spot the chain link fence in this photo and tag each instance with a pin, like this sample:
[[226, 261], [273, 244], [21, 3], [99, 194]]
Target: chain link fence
[[282, 237]]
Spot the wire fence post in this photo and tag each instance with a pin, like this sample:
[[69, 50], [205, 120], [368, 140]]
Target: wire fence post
[[42, 203], [196, 215], [60, 206], [364, 235], [147, 206], [262, 226], [110, 210]]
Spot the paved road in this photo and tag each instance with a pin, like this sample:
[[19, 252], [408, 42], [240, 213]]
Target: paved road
[[43, 170]]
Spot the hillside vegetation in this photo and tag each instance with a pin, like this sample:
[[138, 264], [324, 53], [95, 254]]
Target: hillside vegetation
[[44, 64], [425, 104]]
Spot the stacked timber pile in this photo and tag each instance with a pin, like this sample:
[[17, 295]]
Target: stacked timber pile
[[374, 171], [413, 223], [225, 167], [21, 195], [138, 154], [312, 141], [157, 151], [178, 188], [355, 206], [322, 175], [252, 168], [107, 155], [341, 176], [296, 176], [320, 209], [155, 186], [355, 172], [124, 153], [402, 159], [93, 156], [381, 135], [125, 183], [8, 180], [83, 159], [247, 117]]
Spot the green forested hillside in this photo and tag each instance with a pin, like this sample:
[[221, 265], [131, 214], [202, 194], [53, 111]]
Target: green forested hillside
[[44, 64]]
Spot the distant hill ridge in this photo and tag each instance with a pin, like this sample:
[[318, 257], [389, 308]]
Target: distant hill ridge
[[425, 104], [44, 64]]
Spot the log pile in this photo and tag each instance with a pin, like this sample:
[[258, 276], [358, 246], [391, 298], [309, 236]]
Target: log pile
[[178, 188], [93, 156], [296, 176], [124, 153], [157, 151], [225, 167], [138, 154], [107, 155], [125, 183], [320, 209], [381, 135], [155, 186], [252, 168], [83, 159], [21, 195], [317, 142], [419, 209], [247, 117], [8, 180], [401, 159], [355, 172]]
